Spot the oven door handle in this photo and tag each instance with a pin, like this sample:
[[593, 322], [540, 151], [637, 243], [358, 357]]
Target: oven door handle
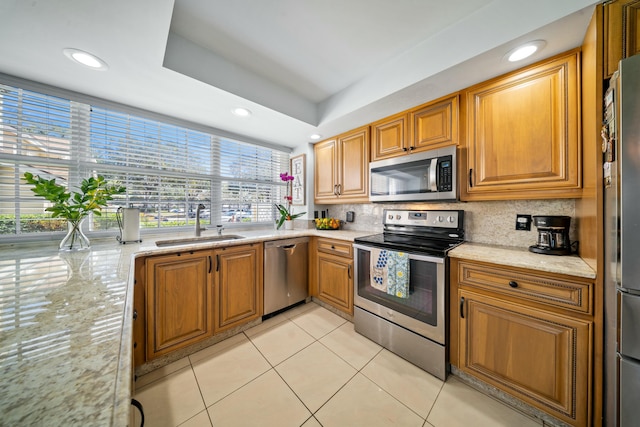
[[413, 256]]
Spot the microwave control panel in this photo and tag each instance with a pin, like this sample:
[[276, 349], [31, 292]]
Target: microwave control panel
[[445, 173]]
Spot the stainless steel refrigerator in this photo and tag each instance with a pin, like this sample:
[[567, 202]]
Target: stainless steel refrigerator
[[621, 147]]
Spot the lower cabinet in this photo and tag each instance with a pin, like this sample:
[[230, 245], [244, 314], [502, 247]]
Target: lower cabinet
[[189, 296], [238, 286], [334, 269], [537, 352], [179, 301]]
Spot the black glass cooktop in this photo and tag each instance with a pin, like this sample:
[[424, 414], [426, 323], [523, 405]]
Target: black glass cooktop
[[410, 243]]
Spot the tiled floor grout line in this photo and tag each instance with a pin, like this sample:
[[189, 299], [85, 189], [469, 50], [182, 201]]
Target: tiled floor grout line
[[201, 395]]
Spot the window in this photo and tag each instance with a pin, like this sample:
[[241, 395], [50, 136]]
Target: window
[[168, 169]]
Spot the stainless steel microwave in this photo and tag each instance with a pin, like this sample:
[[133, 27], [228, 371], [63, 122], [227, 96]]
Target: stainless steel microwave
[[424, 176]]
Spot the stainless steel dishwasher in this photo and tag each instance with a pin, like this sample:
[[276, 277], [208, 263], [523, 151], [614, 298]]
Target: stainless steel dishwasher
[[285, 273]]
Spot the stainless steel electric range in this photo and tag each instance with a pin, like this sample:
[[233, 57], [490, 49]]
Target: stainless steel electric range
[[401, 279]]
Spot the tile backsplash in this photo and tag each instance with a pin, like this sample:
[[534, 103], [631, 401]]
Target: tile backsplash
[[485, 222]]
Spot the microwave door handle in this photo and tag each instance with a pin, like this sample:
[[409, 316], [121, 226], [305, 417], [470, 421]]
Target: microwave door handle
[[433, 185]]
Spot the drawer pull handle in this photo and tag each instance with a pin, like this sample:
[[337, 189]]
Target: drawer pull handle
[[513, 284], [462, 307]]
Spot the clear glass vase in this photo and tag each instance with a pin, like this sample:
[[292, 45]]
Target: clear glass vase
[[75, 240]]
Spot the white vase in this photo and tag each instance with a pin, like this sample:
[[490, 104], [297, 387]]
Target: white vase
[[288, 225]]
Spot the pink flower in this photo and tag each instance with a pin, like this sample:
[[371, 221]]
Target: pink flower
[[286, 177]]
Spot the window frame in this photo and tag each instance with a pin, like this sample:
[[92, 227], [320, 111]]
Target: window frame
[[79, 167]]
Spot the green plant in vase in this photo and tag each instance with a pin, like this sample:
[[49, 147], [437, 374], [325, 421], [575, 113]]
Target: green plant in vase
[[94, 194]]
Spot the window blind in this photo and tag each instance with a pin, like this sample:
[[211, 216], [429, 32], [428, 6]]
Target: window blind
[[168, 169]]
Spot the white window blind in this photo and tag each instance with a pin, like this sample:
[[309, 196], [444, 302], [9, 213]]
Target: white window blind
[[167, 169]]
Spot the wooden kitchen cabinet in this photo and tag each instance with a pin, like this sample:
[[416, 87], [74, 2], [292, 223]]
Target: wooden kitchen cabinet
[[527, 333], [429, 126], [139, 310], [342, 168], [179, 301], [522, 134], [238, 285], [622, 33], [334, 270]]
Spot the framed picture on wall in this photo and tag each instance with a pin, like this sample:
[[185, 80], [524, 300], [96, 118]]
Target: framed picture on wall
[[298, 171]]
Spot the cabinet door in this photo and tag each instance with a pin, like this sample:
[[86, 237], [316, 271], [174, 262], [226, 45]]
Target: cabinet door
[[325, 172], [522, 134], [389, 137], [434, 125], [238, 286], [353, 181], [622, 32], [541, 357], [179, 301], [335, 281]]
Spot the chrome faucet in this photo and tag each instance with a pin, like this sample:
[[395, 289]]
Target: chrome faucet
[[220, 228], [198, 227]]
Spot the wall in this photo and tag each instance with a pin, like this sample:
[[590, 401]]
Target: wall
[[485, 222]]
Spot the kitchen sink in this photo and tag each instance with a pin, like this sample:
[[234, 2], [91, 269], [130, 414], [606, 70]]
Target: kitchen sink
[[193, 240]]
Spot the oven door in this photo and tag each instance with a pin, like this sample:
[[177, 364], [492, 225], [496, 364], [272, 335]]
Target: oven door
[[422, 311]]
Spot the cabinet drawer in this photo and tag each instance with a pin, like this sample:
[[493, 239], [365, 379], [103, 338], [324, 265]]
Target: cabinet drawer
[[543, 288], [336, 247]]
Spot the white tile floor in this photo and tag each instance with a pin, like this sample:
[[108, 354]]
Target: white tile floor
[[307, 367]]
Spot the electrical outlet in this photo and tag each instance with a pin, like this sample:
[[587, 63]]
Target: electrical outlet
[[523, 222]]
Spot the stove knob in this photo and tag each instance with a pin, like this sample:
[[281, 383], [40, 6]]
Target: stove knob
[[390, 216], [451, 219], [440, 218], [398, 217]]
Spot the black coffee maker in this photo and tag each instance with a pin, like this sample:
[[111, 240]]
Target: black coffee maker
[[553, 235]]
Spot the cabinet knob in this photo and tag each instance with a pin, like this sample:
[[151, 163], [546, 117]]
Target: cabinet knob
[[135, 314], [513, 284]]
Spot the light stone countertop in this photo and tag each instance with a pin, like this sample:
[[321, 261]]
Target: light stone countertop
[[571, 265], [66, 326], [66, 321]]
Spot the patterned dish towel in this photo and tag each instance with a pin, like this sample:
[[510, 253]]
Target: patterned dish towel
[[379, 269], [398, 274]]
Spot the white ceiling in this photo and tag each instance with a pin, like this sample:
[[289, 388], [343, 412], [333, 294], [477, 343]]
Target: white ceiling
[[300, 66]]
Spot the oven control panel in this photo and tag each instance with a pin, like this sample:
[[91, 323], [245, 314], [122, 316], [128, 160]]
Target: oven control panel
[[440, 219]]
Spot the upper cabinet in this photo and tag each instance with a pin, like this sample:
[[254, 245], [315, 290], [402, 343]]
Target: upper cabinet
[[341, 172], [428, 126], [522, 135], [622, 32]]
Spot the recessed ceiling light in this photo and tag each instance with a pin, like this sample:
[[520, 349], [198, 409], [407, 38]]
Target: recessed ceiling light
[[525, 50], [242, 112], [315, 136], [85, 58]]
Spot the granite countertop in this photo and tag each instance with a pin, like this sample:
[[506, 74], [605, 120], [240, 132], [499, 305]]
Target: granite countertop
[[66, 326], [66, 320], [571, 265]]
